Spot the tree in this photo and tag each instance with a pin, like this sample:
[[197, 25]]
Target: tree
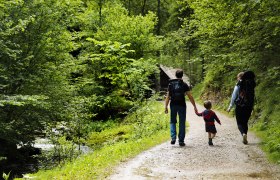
[[34, 67], [136, 30], [105, 56]]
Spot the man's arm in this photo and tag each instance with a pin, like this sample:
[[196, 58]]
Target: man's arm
[[199, 114], [191, 100], [167, 99]]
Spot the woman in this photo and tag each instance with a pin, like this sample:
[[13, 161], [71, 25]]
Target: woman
[[243, 96]]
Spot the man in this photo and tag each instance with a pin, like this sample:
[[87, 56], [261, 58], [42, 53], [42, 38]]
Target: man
[[177, 89]]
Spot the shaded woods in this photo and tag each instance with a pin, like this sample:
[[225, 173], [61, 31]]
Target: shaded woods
[[84, 64]]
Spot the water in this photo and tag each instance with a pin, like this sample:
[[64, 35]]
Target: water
[[30, 164], [46, 145]]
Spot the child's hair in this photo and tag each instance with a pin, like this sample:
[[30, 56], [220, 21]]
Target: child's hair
[[207, 104]]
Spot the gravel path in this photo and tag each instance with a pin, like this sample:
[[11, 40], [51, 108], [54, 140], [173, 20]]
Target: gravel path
[[229, 158]]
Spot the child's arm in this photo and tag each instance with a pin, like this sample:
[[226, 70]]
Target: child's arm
[[217, 119]]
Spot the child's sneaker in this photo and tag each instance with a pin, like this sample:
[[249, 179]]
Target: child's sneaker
[[245, 141]]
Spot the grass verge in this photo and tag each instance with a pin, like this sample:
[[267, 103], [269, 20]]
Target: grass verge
[[144, 128]]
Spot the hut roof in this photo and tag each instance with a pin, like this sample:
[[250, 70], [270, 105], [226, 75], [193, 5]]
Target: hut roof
[[170, 72]]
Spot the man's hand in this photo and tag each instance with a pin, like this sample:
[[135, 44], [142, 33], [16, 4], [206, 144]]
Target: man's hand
[[166, 110], [195, 110]]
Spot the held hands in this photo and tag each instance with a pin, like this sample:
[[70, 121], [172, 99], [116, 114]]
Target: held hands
[[195, 110]]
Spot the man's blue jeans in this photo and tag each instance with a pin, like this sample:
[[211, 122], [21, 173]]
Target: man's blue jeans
[[181, 111]]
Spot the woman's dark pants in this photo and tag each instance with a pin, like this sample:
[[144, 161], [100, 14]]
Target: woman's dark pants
[[242, 117]]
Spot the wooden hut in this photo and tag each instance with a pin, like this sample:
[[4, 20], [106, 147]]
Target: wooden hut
[[167, 73]]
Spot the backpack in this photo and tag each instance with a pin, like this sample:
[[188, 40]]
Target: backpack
[[246, 95], [176, 90]]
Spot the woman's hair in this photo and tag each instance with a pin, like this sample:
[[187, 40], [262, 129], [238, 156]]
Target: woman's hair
[[248, 75], [179, 73], [207, 104], [248, 79], [239, 75]]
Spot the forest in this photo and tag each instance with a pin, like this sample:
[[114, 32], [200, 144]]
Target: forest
[[91, 66]]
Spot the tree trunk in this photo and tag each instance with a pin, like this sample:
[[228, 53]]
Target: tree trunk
[[129, 8], [100, 12], [143, 7], [159, 18]]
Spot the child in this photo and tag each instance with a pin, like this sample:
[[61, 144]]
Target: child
[[209, 117]]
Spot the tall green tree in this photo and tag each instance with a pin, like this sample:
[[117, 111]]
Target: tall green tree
[[136, 30], [237, 35], [34, 67], [143, 7], [108, 56]]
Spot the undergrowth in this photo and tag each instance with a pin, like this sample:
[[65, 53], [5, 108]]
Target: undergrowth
[[141, 130], [266, 115]]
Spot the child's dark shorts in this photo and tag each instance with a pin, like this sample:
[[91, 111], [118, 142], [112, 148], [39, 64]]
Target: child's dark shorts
[[210, 128]]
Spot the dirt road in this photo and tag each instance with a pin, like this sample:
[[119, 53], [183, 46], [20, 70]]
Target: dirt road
[[229, 158]]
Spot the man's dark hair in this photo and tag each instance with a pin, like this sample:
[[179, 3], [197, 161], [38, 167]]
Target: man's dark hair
[[179, 73]]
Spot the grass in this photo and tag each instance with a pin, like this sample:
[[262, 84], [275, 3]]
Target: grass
[[143, 129], [266, 115], [268, 129]]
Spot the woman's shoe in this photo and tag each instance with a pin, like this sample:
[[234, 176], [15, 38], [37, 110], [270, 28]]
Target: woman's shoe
[[245, 141]]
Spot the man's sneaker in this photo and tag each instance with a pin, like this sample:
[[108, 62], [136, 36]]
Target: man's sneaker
[[182, 144], [245, 139], [173, 142]]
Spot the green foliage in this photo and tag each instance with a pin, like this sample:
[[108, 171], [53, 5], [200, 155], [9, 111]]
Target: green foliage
[[163, 10], [175, 49], [138, 74], [124, 140], [109, 136], [266, 113], [135, 30], [67, 63], [62, 152], [34, 66], [74, 61], [135, 126], [111, 62], [180, 46], [6, 176], [113, 77], [234, 36]]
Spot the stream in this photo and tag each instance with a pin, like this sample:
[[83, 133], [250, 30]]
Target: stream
[[29, 163]]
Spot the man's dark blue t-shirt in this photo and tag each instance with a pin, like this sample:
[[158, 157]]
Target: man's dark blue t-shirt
[[177, 89]]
